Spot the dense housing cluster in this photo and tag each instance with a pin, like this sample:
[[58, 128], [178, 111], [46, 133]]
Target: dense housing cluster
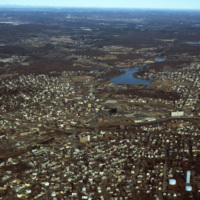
[[64, 135]]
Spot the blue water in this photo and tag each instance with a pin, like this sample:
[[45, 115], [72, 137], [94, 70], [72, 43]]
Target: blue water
[[128, 79], [159, 59], [193, 42], [142, 65]]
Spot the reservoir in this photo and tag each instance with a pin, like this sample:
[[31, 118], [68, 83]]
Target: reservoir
[[128, 79]]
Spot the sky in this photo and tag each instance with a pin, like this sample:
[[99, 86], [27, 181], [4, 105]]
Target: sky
[[166, 4]]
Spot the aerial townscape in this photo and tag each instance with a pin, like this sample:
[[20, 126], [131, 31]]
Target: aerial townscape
[[99, 104]]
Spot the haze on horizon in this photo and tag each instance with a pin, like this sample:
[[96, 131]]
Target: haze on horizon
[[151, 4]]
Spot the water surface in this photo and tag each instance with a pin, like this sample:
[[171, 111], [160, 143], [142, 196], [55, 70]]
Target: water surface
[[128, 79], [193, 42], [159, 59]]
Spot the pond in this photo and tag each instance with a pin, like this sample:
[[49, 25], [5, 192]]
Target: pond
[[159, 59], [128, 79]]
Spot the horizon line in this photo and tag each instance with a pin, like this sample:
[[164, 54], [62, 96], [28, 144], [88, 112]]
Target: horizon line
[[46, 6]]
